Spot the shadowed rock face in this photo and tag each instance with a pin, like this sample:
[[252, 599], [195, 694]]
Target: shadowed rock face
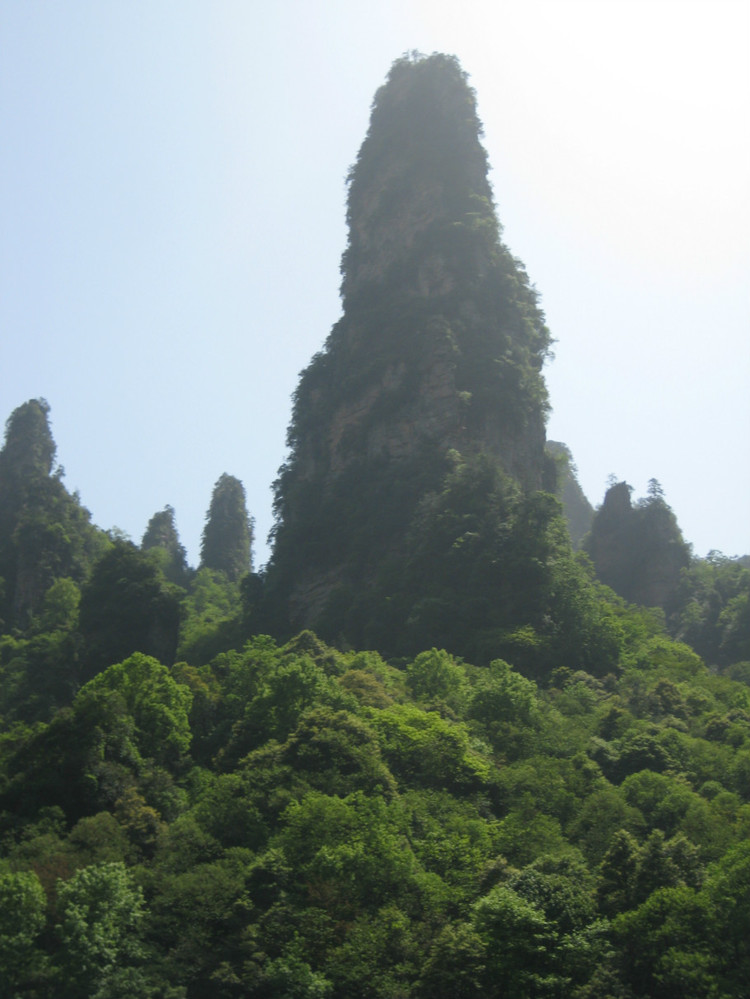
[[579, 513], [439, 348], [45, 533], [421, 168], [638, 550]]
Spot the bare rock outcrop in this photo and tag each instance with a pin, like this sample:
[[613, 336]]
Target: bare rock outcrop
[[439, 348]]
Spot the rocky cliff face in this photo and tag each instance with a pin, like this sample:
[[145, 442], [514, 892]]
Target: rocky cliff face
[[45, 533], [579, 513], [439, 349]]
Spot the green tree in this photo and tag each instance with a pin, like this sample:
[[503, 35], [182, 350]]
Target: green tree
[[436, 676], [662, 945], [210, 623], [505, 704], [157, 704], [455, 966], [734, 622], [348, 852], [101, 914], [617, 873], [197, 916], [338, 753], [727, 889], [22, 917], [281, 697], [518, 940], [712, 613], [292, 977], [128, 607], [60, 606], [424, 750], [41, 673]]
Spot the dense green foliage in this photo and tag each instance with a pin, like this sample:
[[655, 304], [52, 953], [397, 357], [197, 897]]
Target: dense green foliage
[[296, 820], [189, 809], [533, 789], [484, 569], [127, 606], [713, 610]]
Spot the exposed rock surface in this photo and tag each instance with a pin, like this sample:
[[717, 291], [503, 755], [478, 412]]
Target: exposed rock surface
[[439, 349], [579, 513], [45, 533], [638, 549]]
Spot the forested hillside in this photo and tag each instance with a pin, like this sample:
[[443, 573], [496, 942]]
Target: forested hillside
[[498, 767], [296, 820]]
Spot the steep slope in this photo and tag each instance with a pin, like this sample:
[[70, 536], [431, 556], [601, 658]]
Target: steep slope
[[439, 350], [578, 512]]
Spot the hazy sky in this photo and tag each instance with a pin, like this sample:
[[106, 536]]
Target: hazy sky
[[172, 216]]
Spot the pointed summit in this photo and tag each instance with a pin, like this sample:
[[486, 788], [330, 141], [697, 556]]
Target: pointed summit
[[420, 216], [437, 357]]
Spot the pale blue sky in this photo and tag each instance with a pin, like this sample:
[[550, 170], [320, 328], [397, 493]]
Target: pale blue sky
[[172, 215]]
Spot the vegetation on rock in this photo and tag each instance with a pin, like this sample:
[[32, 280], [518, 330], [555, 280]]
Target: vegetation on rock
[[638, 550], [228, 534], [162, 539], [534, 787], [439, 352]]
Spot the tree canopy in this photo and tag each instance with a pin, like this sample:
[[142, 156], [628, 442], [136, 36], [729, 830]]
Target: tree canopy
[[485, 772]]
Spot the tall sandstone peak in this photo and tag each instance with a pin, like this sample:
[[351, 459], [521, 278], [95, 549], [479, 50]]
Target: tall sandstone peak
[[438, 353], [638, 549]]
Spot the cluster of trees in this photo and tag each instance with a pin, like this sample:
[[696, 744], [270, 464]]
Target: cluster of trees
[[75, 599], [191, 808], [638, 550], [297, 821], [533, 788]]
